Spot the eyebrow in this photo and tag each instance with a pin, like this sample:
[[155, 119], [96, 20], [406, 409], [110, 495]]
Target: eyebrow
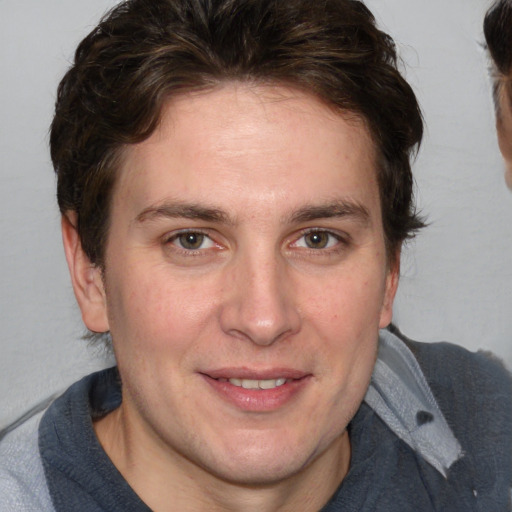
[[185, 211], [308, 213], [335, 209]]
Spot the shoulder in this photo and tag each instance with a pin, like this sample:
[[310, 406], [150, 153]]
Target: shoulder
[[452, 370], [22, 481], [474, 392], [463, 378]]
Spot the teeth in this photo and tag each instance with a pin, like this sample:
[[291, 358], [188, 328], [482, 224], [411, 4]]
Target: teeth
[[258, 384], [269, 384], [250, 384]]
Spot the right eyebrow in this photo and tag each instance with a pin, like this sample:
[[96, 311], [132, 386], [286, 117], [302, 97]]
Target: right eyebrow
[[339, 208], [185, 211]]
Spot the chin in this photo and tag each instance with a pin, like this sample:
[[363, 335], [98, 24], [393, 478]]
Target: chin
[[258, 473], [261, 463]]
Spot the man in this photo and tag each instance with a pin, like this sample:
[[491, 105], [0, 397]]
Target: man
[[235, 186], [498, 34]]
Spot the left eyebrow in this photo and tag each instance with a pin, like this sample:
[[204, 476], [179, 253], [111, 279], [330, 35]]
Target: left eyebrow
[[175, 210], [343, 208]]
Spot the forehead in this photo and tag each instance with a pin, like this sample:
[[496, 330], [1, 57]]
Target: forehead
[[250, 147]]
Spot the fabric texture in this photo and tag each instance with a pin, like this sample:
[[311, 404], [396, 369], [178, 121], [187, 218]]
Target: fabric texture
[[474, 392], [22, 481], [400, 395], [434, 434]]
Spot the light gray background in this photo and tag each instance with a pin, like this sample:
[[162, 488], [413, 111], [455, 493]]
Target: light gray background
[[456, 277]]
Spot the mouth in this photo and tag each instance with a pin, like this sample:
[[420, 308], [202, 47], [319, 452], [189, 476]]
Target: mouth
[[257, 391], [257, 384]]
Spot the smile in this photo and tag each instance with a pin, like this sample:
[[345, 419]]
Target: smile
[[258, 384], [256, 390]]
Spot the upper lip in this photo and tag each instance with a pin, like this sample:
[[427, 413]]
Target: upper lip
[[255, 374]]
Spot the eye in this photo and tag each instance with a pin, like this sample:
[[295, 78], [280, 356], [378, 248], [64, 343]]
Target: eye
[[192, 241], [317, 240]]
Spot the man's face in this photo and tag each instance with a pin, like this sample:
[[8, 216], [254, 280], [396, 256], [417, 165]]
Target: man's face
[[246, 280], [504, 128]]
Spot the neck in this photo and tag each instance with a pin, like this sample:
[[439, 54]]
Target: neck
[[166, 480]]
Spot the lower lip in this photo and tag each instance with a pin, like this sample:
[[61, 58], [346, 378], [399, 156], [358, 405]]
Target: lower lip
[[258, 400]]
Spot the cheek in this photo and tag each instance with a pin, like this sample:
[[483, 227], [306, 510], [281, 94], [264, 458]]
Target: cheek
[[350, 301], [155, 310], [347, 316]]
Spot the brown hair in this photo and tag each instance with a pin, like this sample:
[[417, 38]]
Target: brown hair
[[498, 35], [145, 51]]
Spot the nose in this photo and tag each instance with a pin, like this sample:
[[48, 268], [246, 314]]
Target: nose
[[259, 304]]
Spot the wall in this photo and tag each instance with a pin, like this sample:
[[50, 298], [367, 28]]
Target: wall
[[456, 277]]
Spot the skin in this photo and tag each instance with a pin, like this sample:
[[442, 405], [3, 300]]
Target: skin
[[253, 170], [504, 127]]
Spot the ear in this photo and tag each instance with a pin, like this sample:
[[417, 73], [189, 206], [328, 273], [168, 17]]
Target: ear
[[86, 278], [504, 120], [386, 314], [504, 126]]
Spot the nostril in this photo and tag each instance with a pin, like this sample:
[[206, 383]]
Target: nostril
[[260, 307]]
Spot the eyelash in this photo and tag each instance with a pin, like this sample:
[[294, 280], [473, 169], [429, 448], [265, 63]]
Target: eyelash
[[189, 252], [341, 242]]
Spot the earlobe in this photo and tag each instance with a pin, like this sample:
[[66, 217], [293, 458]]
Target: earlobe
[[386, 314], [86, 278]]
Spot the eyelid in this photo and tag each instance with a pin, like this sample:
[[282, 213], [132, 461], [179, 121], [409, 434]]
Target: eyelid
[[342, 237], [170, 238], [177, 232]]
